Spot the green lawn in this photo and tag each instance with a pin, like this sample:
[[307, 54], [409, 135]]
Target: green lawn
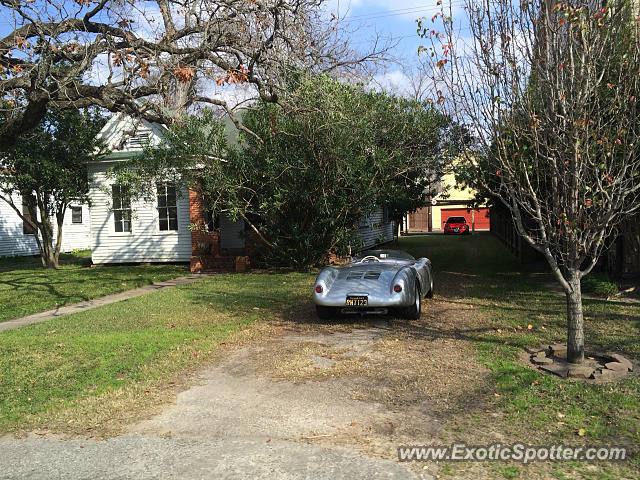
[[91, 367], [25, 287], [539, 408]]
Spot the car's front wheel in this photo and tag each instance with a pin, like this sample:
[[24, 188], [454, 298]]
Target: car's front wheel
[[325, 313], [413, 312]]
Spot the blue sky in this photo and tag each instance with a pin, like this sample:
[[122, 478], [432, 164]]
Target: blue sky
[[397, 20]]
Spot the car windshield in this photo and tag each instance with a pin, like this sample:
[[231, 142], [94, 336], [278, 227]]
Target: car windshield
[[456, 220], [383, 255]]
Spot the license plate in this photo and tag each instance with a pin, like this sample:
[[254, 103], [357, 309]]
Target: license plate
[[357, 301]]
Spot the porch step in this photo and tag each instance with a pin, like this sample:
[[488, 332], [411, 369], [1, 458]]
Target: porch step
[[206, 263]]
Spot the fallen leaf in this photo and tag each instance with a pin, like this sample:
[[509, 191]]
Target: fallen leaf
[[499, 331], [353, 424], [529, 327], [496, 394], [582, 432]]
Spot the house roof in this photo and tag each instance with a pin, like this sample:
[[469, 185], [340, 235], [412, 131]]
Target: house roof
[[126, 136]]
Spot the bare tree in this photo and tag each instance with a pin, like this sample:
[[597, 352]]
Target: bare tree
[[156, 58], [551, 90]]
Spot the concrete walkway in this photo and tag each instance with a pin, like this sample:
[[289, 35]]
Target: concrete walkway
[[98, 302]]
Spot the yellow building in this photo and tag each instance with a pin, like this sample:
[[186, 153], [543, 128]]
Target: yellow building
[[451, 201]]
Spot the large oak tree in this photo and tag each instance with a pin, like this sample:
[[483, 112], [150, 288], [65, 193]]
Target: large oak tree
[[156, 58]]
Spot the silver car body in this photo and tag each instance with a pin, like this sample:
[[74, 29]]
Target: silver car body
[[374, 275]]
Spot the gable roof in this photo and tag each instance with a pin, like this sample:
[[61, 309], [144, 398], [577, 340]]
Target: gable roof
[[126, 136]]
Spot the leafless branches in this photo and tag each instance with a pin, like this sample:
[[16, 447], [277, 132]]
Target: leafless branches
[[551, 89]]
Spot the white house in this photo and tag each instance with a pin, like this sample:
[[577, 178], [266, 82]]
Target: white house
[[16, 238], [376, 229], [127, 230], [158, 229]]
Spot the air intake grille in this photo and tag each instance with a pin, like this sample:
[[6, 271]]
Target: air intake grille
[[354, 276], [372, 275]]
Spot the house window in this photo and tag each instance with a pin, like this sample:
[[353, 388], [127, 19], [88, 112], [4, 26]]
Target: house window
[[167, 207], [27, 229], [386, 215], [121, 208], [212, 221], [76, 214]]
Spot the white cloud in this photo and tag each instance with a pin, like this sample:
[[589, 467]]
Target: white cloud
[[394, 82]]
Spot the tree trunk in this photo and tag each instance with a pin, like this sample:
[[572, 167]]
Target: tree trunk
[[575, 322], [47, 252], [60, 222]]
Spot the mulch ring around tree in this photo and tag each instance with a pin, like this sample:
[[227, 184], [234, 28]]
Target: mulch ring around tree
[[597, 367]]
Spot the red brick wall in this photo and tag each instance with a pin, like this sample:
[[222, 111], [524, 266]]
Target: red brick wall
[[205, 246], [202, 242]]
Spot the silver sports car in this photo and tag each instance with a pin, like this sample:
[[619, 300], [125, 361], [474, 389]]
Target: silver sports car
[[375, 282]]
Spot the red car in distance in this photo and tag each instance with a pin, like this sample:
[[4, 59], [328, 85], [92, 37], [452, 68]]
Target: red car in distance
[[456, 226]]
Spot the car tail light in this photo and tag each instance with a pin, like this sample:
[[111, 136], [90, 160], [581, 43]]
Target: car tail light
[[318, 288], [397, 288]]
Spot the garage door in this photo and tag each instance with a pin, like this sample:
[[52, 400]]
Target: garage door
[[481, 216]]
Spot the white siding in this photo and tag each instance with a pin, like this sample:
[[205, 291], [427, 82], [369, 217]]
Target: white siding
[[145, 242], [124, 134], [373, 231], [14, 242]]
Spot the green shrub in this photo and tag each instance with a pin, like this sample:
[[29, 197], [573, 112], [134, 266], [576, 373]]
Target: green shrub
[[599, 284]]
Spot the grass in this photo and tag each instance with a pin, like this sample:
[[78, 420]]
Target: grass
[[102, 366], [513, 298], [26, 288], [599, 284]]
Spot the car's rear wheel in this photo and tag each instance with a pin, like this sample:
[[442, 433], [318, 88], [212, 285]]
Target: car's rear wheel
[[413, 312], [325, 313], [430, 292]]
